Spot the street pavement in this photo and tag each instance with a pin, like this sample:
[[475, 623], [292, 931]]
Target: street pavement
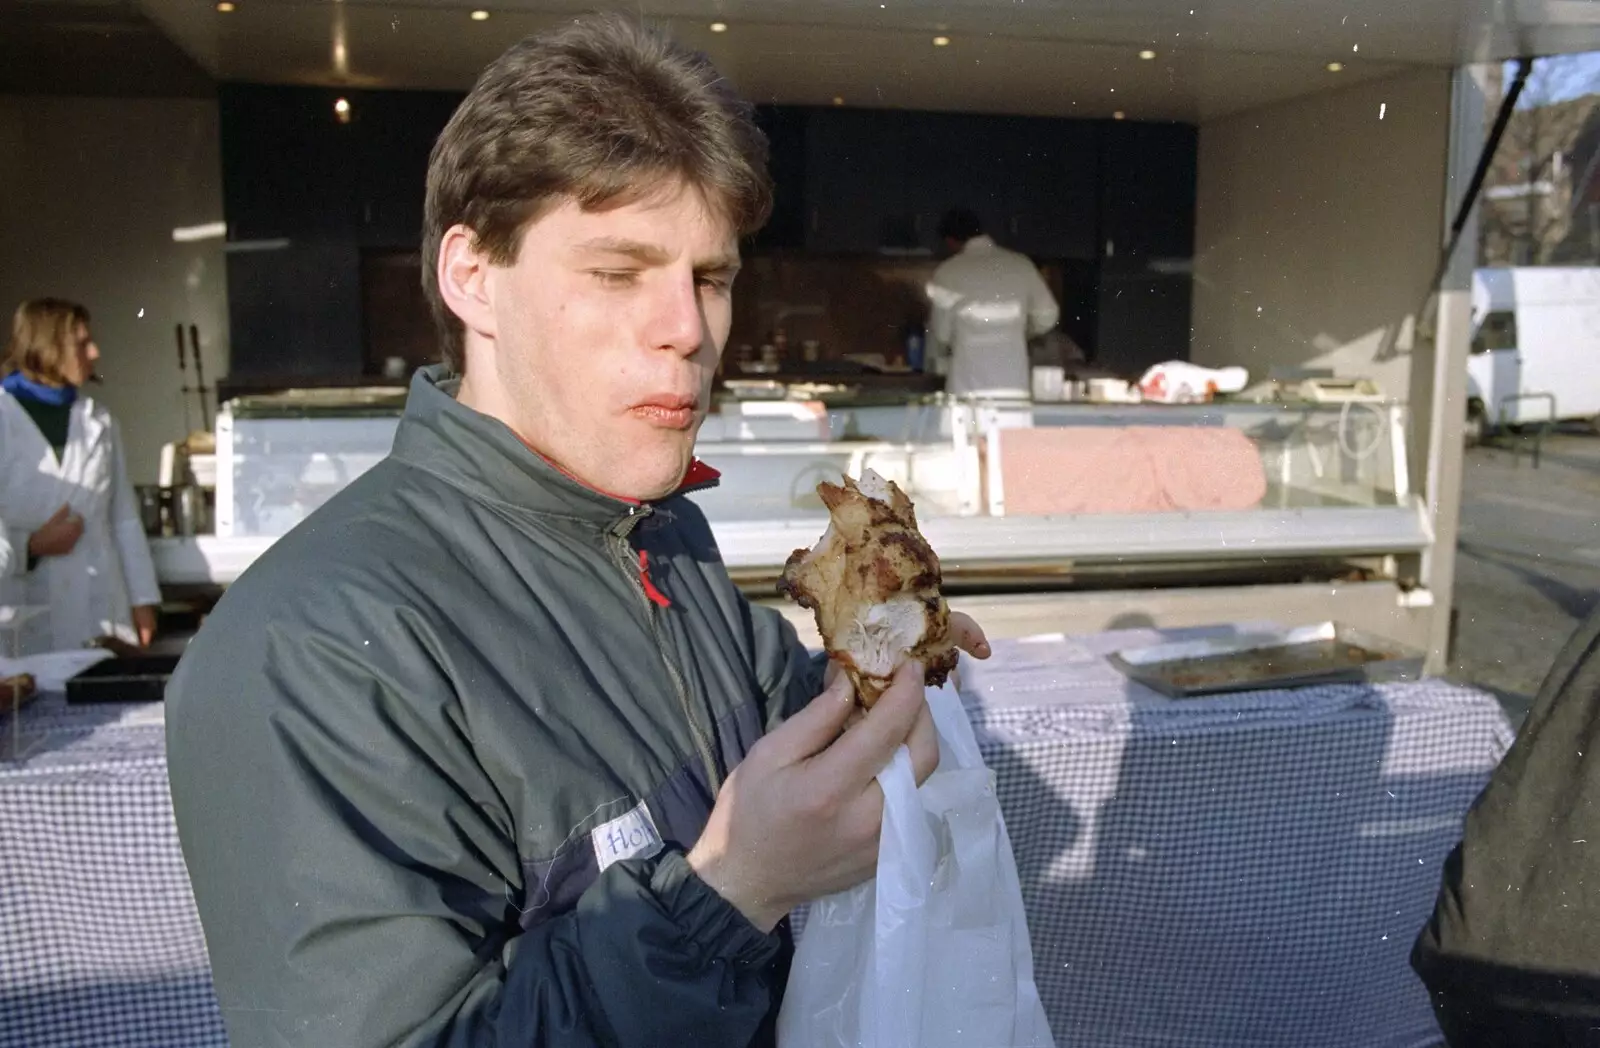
[[1529, 565]]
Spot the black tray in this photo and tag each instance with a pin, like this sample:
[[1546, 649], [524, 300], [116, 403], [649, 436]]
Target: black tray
[[136, 678], [1326, 653]]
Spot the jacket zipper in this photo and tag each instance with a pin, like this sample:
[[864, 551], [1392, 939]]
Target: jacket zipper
[[623, 553]]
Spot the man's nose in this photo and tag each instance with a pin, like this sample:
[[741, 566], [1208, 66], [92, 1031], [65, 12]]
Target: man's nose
[[676, 322], [94, 351]]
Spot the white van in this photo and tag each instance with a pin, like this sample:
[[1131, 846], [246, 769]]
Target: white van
[[1535, 347]]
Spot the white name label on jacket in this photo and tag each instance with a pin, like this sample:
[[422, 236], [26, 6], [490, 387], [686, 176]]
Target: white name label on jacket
[[629, 836]]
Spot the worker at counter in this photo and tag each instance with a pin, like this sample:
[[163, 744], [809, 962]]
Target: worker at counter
[[72, 525], [987, 302]]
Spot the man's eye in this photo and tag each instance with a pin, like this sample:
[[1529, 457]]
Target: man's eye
[[720, 285], [616, 278]]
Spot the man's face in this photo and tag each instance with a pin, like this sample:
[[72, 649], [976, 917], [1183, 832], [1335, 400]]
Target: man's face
[[605, 337]]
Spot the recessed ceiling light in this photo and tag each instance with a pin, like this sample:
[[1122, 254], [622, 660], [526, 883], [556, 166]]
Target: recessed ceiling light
[[1335, 67], [941, 41], [719, 27], [226, 7], [1119, 115], [1147, 55], [480, 16], [838, 100]]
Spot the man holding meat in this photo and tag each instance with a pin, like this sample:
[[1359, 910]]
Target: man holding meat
[[490, 751]]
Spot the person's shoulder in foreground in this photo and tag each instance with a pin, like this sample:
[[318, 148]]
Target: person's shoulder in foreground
[[1509, 954]]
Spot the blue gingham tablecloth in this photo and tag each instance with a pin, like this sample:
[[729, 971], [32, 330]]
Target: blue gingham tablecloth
[[100, 944], [1243, 870], [1248, 870]]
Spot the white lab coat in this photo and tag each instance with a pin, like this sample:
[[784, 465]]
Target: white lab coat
[[12, 562], [92, 590], [987, 302]]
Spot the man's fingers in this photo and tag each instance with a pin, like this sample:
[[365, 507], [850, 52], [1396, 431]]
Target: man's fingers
[[811, 730], [867, 748], [968, 635]]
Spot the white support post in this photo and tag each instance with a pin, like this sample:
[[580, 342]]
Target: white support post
[[1439, 370]]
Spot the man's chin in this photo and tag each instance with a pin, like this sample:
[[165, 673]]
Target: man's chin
[[649, 463], [654, 476]]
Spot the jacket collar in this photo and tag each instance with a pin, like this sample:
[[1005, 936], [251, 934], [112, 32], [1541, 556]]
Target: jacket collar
[[980, 243], [482, 456]]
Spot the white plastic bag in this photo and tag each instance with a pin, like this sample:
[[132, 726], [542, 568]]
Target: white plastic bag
[[935, 952]]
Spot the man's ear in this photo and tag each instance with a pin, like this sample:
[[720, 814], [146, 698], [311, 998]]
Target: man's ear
[[464, 280]]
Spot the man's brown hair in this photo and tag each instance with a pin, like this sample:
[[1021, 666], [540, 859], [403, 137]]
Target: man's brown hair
[[42, 338], [603, 112]]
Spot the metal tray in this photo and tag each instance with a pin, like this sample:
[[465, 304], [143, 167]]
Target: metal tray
[[136, 678], [1326, 653]]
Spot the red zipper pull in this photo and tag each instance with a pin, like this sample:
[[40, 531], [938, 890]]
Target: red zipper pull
[[659, 599]]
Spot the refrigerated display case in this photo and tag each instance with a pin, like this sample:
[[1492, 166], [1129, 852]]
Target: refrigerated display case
[[281, 456], [1331, 480], [1333, 527]]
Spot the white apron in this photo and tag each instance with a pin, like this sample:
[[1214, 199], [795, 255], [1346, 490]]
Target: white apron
[[92, 590], [986, 303]]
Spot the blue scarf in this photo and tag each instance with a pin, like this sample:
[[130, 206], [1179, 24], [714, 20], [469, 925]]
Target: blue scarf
[[20, 385]]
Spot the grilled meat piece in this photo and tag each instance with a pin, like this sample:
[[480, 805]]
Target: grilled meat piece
[[873, 583]]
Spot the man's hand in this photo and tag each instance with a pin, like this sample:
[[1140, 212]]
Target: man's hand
[[58, 535], [799, 818], [144, 623]]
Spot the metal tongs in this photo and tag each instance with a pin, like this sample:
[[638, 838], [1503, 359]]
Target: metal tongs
[[199, 377]]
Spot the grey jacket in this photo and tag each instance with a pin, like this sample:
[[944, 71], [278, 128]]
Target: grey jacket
[[437, 756]]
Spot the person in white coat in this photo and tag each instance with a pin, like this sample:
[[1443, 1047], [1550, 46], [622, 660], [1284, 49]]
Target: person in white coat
[[72, 527], [987, 302]]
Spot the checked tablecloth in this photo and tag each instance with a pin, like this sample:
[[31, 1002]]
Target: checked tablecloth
[[99, 941], [1236, 871], [1247, 870]]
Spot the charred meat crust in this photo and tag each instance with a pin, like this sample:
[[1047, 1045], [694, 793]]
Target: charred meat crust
[[917, 549], [787, 586], [872, 555]]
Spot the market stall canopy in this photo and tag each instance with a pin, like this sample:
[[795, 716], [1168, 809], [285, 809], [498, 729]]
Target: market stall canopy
[[1052, 57]]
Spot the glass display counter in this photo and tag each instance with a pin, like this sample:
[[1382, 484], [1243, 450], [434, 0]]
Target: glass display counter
[[995, 483]]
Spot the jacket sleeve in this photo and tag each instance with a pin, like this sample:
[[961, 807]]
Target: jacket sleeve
[[13, 552], [358, 878], [790, 675], [1043, 312], [127, 531], [943, 302], [13, 540]]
